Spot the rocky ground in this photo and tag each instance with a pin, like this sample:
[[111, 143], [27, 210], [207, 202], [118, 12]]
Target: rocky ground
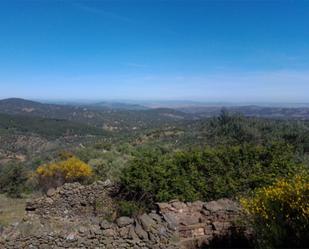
[[76, 216]]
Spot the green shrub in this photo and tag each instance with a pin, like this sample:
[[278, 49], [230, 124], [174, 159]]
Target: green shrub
[[68, 170], [129, 208], [280, 213], [13, 178], [204, 174]]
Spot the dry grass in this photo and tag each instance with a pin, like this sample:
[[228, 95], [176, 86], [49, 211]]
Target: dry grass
[[11, 210]]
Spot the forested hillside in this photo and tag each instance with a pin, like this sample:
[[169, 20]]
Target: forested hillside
[[108, 117]]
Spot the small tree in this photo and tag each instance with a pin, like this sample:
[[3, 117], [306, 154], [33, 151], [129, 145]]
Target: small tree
[[13, 178], [70, 170]]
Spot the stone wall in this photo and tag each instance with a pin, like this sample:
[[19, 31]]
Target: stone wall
[[148, 231], [74, 200], [69, 217], [199, 223]]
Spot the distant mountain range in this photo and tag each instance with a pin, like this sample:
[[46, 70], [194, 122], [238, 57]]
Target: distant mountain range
[[109, 116], [125, 116], [29, 129], [301, 113], [119, 106]]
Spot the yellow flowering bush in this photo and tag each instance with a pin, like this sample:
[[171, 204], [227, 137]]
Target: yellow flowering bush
[[70, 170], [280, 212]]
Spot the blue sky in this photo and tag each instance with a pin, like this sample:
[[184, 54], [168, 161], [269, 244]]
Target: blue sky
[[237, 51]]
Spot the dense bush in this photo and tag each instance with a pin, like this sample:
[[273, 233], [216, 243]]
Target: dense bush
[[13, 178], [204, 174], [69, 170], [280, 213]]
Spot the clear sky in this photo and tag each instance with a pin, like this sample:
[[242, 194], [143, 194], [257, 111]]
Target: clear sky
[[188, 50]]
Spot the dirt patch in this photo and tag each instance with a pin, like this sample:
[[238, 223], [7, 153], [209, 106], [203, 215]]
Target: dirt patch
[[11, 210]]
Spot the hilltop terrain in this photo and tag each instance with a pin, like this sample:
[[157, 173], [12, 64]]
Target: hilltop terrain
[[109, 116], [29, 128], [30, 131], [152, 155]]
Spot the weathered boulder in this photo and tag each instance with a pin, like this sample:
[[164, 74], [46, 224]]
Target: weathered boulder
[[105, 224], [124, 221], [141, 233], [50, 192], [147, 222], [222, 205]]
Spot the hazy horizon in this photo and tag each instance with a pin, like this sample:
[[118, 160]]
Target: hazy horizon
[[213, 51], [169, 103]]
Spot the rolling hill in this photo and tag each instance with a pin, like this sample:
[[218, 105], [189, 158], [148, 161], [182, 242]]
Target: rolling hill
[[116, 117], [250, 111]]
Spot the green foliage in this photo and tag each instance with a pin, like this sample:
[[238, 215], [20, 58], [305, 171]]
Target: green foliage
[[205, 174], [280, 213], [106, 161], [48, 128], [232, 129], [107, 167], [129, 208], [13, 178]]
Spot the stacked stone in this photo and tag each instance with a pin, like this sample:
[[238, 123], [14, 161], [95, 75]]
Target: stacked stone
[[146, 231], [68, 218], [71, 200], [198, 223]]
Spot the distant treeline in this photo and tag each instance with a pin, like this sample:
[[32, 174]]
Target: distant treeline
[[49, 128]]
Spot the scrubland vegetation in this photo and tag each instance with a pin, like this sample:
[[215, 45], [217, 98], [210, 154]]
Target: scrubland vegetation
[[280, 212], [205, 174], [69, 169], [262, 162]]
